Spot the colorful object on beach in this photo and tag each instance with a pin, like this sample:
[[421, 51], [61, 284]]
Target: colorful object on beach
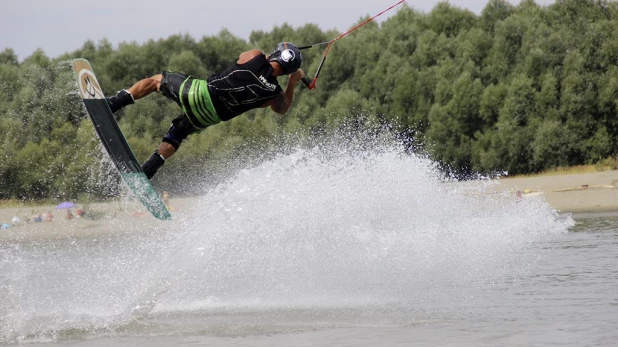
[[65, 205], [114, 142]]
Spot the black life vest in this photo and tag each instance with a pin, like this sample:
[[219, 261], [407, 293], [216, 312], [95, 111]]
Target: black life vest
[[243, 87]]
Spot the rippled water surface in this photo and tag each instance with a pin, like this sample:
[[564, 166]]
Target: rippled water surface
[[325, 250]]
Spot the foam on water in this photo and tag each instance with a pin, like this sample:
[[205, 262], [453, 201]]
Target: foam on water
[[338, 225]]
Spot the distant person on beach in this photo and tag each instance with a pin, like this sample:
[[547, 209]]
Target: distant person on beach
[[15, 220], [37, 218], [250, 83], [69, 215], [48, 217]]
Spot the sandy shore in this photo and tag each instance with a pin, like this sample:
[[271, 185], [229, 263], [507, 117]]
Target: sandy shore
[[588, 193], [580, 194], [108, 219]]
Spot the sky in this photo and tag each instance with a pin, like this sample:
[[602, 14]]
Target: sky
[[59, 26]]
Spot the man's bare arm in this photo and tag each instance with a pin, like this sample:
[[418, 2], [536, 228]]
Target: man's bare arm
[[282, 102]]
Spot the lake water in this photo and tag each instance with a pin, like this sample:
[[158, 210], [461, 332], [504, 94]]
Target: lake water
[[325, 250]]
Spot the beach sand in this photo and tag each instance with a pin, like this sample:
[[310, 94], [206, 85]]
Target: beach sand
[[107, 219], [582, 195]]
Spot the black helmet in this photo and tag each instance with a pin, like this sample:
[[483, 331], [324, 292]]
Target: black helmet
[[288, 56]]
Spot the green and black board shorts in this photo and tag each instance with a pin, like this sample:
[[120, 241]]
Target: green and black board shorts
[[191, 94]]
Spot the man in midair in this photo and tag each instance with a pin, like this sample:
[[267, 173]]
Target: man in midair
[[250, 83]]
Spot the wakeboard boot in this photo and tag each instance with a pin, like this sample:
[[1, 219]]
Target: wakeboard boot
[[153, 164], [120, 100]]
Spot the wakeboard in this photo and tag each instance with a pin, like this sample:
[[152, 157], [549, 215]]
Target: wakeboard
[[114, 142]]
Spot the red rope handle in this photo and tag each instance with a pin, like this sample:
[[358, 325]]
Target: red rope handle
[[330, 43], [363, 23]]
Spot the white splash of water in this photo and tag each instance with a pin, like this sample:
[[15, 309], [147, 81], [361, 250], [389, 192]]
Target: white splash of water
[[325, 227], [319, 227]]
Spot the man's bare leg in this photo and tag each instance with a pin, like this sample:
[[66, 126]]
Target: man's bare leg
[[137, 91], [157, 159], [166, 150], [146, 86], [127, 97]]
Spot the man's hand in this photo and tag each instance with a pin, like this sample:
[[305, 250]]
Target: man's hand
[[296, 76], [282, 102]]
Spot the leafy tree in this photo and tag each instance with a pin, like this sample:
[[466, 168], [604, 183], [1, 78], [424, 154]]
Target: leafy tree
[[449, 20], [8, 57], [494, 12], [189, 63], [520, 88], [552, 145]]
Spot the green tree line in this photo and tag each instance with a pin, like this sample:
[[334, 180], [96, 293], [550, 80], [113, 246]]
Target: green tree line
[[521, 88]]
